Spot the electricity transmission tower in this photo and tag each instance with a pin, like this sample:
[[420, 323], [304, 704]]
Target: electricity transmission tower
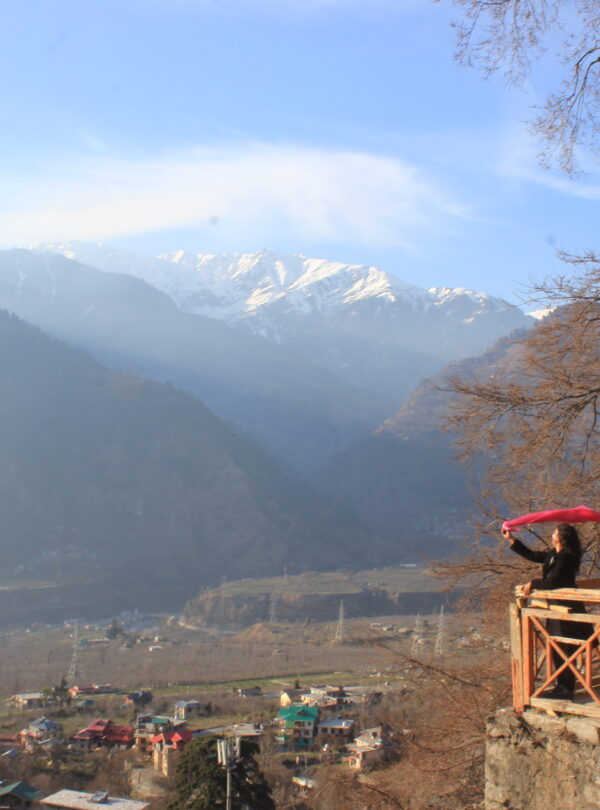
[[73, 668], [440, 638], [417, 634], [339, 630]]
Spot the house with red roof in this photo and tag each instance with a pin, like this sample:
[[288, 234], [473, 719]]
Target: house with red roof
[[103, 732], [166, 746]]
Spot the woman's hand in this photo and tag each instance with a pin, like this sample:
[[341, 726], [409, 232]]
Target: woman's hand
[[527, 589], [508, 536]]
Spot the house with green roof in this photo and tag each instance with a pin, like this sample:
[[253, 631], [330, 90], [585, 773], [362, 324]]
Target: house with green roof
[[19, 796], [297, 725]]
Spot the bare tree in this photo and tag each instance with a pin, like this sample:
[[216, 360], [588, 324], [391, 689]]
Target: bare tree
[[508, 36], [530, 430]]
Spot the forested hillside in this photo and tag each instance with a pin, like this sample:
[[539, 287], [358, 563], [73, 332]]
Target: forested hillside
[[136, 489]]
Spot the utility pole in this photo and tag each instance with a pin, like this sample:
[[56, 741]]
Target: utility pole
[[228, 752], [439, 641], [339, 630]]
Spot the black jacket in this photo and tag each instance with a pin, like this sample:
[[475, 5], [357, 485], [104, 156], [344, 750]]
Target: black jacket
[[559, 568]]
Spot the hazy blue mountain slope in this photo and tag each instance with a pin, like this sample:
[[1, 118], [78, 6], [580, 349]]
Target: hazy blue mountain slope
[[404, 481], [302, 413], [137, 490]]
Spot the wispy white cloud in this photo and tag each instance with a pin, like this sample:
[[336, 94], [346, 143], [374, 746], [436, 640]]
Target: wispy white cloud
[[257, 189], [520, 162]]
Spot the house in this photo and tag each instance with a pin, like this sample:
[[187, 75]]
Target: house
[[165, 748], [148, 726], [18, 796], [100, 641], [77, 800], [248, 691], [28, 700], [360, 757], [38, 731], [368, 747], [185, 709], [326, 696], [92, 689], [290, 696], [372, 736], [297, 725], [8, 742], [336, 728], [247, 731], [139, 698], [102, 732]]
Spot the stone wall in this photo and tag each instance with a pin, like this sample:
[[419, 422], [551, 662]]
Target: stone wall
[[539, 762]]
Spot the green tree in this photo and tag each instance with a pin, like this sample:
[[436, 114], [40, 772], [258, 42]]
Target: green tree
[[58, 692], [201, 781], [114, 629]]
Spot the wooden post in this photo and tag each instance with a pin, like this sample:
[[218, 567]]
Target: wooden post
[[516, 649], [528, 665]]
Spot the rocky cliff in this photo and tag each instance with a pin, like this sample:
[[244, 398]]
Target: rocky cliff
[[536, 762], [309, 597]]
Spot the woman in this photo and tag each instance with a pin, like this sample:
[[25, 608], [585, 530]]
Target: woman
[[559, 569]]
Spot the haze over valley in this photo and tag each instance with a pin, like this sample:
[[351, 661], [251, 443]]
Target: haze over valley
[[244, 416]]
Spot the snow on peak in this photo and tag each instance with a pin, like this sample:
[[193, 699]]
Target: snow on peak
[[540, 314], [252, 286]]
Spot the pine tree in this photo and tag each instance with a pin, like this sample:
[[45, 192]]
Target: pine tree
[[201, 782]]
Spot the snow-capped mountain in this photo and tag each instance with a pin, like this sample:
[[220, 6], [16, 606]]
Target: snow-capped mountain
[[300, 411], [357, 320]]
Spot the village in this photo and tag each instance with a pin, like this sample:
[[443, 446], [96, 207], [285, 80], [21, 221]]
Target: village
[[80, 745], [313, 724], [314, 698]]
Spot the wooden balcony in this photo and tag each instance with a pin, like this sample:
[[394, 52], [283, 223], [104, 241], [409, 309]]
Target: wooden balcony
[[533, 668]]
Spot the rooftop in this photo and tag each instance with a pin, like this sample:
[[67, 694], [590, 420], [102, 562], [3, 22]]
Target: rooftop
[[21, 789], [76, 800], [336, 722]]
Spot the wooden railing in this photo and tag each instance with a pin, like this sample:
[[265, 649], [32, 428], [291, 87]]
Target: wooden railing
[[533, 669]]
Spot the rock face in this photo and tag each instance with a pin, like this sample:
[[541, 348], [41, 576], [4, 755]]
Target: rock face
[[234, 612], [230, 612], [537, 762]]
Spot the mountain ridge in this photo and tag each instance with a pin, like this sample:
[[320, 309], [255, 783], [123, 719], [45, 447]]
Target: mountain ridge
[[367, 326], [298, 411]]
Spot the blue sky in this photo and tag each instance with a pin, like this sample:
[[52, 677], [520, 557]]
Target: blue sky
[[333, 128]]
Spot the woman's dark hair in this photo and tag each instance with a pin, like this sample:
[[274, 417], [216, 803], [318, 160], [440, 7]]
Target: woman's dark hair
[[569, 537]]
